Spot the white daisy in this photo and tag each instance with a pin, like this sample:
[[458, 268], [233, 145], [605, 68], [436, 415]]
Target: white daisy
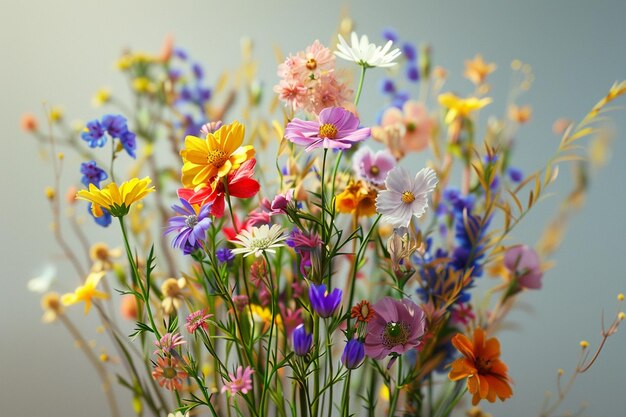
[[405, 196], [365, 53], [259, 240]]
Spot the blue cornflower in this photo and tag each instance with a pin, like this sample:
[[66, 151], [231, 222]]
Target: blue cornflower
[[181, 53], [129, 142], [516, 175], [353, 354], [104, 220], [302, 340], [94, 134], [224, 255], [324, 303], [412, 73], [390, 34], [198, 72], [92, 174], [409, 51], [387, 86], [400, 98], [115, 125], [190, 226]]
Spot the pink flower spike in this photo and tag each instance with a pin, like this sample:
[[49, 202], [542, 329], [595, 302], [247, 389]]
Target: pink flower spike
[[239, 382], [336, 128]]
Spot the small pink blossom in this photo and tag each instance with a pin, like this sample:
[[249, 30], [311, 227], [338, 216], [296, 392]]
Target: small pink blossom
[[197, 319], [240, 301], [415, 123], [291, 318], [372, 167], [168, 342], [524, 262], [239, 382], [293, 93]]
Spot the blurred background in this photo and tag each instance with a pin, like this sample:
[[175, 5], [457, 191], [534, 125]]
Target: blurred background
[[61, 52]]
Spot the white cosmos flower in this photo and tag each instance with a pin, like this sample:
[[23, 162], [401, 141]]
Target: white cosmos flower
[[405, 196], [365, 53], [259, 240]]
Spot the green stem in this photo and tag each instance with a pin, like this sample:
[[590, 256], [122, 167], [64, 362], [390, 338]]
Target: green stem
[[329, 358], [316, 372], [345, 400], [396, 391], [360, 87]]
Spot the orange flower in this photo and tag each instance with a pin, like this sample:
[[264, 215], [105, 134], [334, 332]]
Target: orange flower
[[477, 70], [486, 374], [362, 311]]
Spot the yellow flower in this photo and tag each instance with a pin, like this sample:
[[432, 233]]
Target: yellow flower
[[461, 107], [173, 296], [56, 114], [356, 198], [213, 158], [117, 200], [101, 97], [51, 305], [520, 114], [143, 85], [477, 70], [102, 257], [86, 292]]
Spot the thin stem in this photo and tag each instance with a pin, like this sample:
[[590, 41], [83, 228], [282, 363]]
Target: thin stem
[[360, 87]]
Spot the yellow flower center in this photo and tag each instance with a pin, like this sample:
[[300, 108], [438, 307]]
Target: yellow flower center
[[169, 372], [217, 158], [408, 197], [328, 130], [374, 170], [100, 252], [311, 64]]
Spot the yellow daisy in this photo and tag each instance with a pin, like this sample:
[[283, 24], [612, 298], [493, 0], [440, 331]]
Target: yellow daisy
[[86, 292], [214, 157], [116, 199], [461, 107]]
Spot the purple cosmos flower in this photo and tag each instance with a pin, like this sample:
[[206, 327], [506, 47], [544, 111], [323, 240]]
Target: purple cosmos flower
[[353, 354], [302, 340], [524, 262], [190, 226], [324, 303], [373, 167], [397, 326], [92, 174], [94, 134], [336, 128]]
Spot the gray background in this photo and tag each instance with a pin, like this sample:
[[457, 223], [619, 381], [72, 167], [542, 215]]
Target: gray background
[[61, 52]]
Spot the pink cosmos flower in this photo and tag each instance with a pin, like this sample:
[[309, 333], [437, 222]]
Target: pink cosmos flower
[[239, 382], [415, 122], [169, 374], [524, 262], [328, 92], [335, 128], [197, 319], [397, 327], [168, 342], [292, 92], [373, 167]]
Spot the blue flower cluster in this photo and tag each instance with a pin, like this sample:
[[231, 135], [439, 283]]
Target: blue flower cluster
[[93, 174], [114, 126]]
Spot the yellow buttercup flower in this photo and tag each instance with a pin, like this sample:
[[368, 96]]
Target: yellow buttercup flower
[[117, 200], [461, 107], [213, 158], [86, 292], [101, 97]]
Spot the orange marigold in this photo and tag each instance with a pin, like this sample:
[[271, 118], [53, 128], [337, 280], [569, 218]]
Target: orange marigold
[[486, 374], [362, 311]]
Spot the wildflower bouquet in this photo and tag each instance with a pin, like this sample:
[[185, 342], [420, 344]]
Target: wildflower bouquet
[[332, 279]]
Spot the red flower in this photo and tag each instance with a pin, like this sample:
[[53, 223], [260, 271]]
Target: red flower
[[239, 182]]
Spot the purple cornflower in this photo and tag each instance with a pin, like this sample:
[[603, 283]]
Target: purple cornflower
[[409, 51], [115, 125], [224, 255], [94, 134], [353, 354], [516, 175], [390, 34], [412, 73], [302, 340], [190, 226], [324, 303], [92, 174], [387, 86], [373, 167], [127, 139], [335, 128]]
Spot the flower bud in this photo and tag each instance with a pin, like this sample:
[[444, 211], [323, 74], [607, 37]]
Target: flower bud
[[353, 354], [301, 340]]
